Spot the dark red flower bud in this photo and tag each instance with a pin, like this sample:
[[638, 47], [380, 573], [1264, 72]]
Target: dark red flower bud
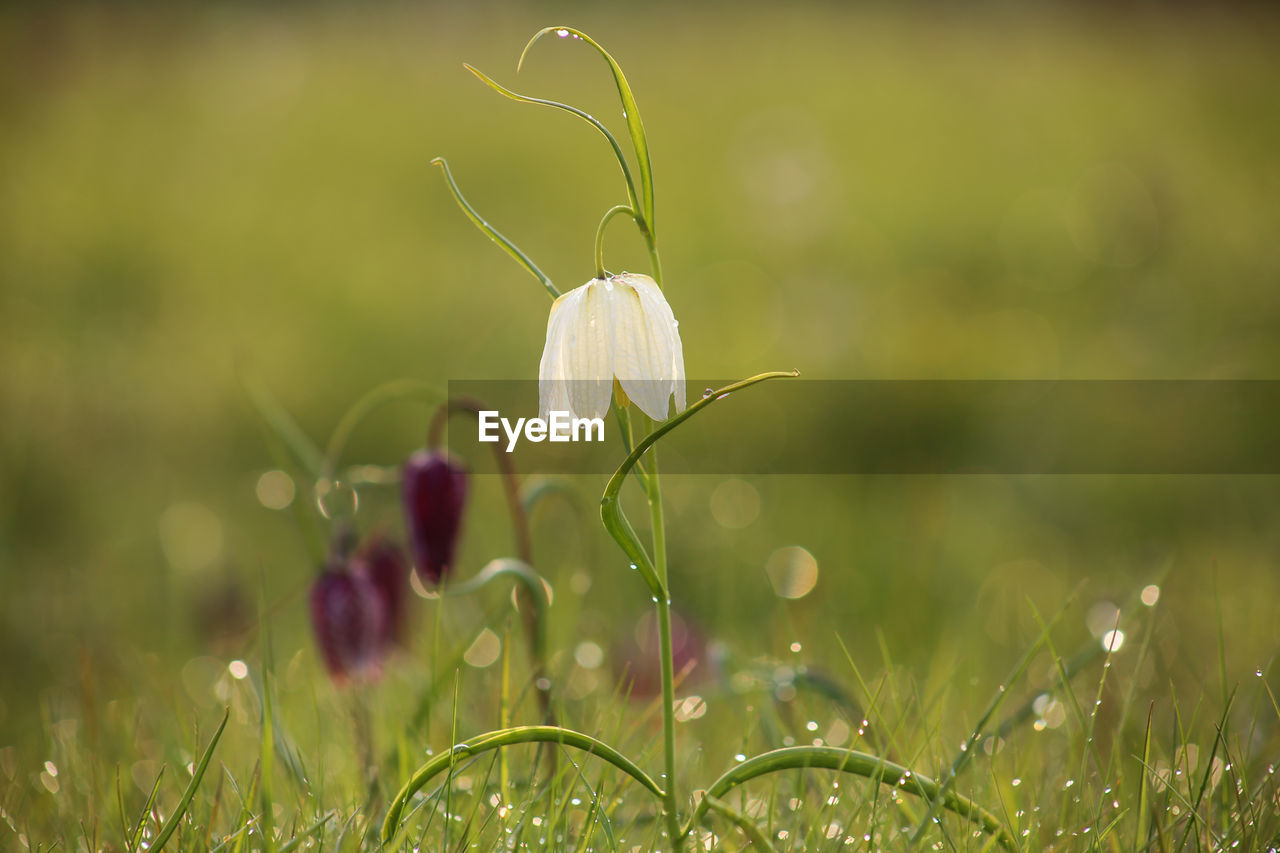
[[350, 623], [434, 493], [382, 562]]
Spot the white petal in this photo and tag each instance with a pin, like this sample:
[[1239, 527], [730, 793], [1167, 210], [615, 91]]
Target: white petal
[[553, 393], [576, 373], [649, 361]]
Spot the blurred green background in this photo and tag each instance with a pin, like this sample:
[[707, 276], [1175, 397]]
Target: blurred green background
[[192, 196]]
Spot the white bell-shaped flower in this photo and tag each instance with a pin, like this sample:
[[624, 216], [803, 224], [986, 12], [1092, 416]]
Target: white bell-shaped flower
[[620, 327]]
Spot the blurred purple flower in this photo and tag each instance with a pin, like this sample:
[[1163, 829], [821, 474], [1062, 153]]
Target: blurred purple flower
[[434, 493], [383, 564], [638, 655], [349, 618]]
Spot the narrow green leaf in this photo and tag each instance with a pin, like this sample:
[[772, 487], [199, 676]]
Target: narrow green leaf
[[967, 750], [629, 110], [878, 770], [504, 738], [306, 833], [266, 747], [587, 117], [146, 810], [492, 233], [1143, 833], [174, 819], [284, 426], [749, 829], [616, 522]]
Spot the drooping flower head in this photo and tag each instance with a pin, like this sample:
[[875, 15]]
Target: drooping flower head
[[616, 328], [350, 623], [434, 491]]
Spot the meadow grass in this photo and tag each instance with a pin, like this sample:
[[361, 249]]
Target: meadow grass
[[197, 196]]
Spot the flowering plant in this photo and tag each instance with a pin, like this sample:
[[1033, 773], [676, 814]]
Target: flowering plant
[[612, 343]]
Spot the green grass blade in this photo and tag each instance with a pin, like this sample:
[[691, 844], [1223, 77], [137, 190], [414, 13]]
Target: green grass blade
[[504, 738], [492, 233], [629, 109], [749, 829], [878, 770], [1218, 740], [284, 426], [315, 828], [146, 810], [968, 749], [1142, 834], [174, 819]]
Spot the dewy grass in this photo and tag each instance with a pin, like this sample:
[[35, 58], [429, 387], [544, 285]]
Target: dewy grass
[[786, 759]]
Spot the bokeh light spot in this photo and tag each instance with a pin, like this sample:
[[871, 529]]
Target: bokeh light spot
[[1150, 595], [793, 571], [484, 650], [275, 489], [588, 655], [1112, 641], [239, 670]]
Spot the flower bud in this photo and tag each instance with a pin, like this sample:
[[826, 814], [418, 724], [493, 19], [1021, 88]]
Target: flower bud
[[350, 624], [382, 563], [434, 493]]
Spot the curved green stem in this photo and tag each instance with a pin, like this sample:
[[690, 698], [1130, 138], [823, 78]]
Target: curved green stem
[[503, 567], [749, 829], [587, 117], [613, 211], [630, 111], [504, 738], [397, 389], [542, 488], [615, 521], [872, 767], [492, 233]]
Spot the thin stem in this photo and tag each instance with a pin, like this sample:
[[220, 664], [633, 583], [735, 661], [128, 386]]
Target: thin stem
[[612, 212], [671, 803], [654, 261]]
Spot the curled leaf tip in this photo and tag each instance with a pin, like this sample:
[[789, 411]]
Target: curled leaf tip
[[539, 34]]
